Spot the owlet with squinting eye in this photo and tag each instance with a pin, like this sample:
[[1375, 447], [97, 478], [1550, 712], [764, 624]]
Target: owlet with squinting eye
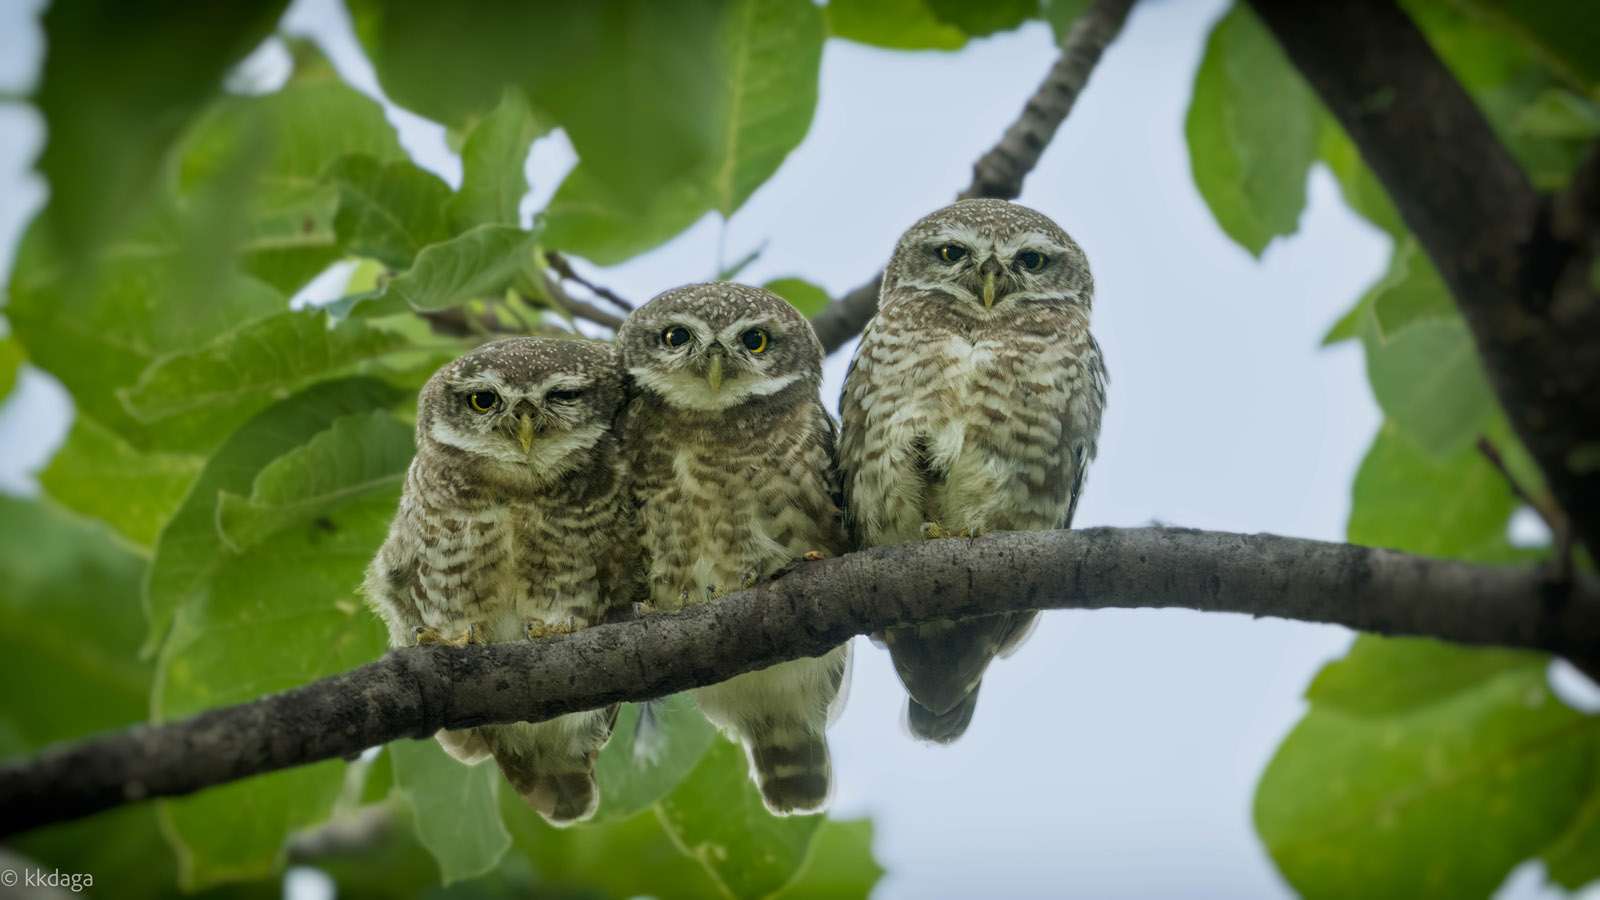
[[973, 404], [731, 458], [514, 525]]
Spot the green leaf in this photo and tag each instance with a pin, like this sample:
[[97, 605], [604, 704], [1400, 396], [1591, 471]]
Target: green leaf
[[717, 817], [388, 211], [1561, 114], [242, 370], [897, 24], [632, 773], [70, 611], [97, 329], [279, 615], [1441, 799], [493, 161], [97, 473], [1573, 860], [189, 549], [770, 52], [1428, 380], [1409, 291], [455, 808], [1416, 673], [1456, 507], [305, 127], [121, 82], [983, 19], [12, 357], [357, 456], [801, 294], [1253, 129], [1361, 188], [1563, 32], [584, 861], [479, 264], [841, 864]]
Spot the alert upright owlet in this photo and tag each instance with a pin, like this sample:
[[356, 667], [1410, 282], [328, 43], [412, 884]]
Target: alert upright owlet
[[973, 404], [514, 524], [731, 458]]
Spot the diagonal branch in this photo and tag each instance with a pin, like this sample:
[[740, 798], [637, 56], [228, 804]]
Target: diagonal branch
[[1520, 275], [414, 692], [1000, 172]]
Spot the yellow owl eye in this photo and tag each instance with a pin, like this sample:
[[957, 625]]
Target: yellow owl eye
[[1032, 260], [675, 336], [952, 252], [755, 340], [483, 401]]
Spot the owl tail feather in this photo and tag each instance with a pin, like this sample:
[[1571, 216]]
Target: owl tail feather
[[941, 728], [563, 791], [793, 770]]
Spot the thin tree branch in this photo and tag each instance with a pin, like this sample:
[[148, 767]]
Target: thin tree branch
[[414, 692], [564, 269], [578, 308], [999, 173], [1554, 518], [1523, 286]]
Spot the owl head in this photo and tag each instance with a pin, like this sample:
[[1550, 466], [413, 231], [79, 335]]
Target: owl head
[[717, 346], [987, 257], [533, 404]]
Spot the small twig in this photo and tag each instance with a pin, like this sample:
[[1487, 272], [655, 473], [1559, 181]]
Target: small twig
[[1554, 517], [565, 270], [576, 308]]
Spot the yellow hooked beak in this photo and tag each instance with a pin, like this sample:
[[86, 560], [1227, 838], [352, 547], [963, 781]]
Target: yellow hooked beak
[[988, 290], [525, 436], [714, 374]]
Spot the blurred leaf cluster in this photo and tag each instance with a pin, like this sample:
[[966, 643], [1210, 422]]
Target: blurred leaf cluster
[[1421, 770]]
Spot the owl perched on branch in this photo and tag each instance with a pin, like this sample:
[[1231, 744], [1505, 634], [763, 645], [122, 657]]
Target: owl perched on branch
[[973, 404], [514, 525], [731, 456]]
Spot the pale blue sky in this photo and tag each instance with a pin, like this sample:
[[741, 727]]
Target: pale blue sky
[[1116, 754]]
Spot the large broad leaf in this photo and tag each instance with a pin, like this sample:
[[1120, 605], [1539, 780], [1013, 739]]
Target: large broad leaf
[[841, 866], [477, 264], [717, 817], [455, 808], [983, 19], [769, 52], [899, 24], [97, 328], [71, 612], [98, 473], [801, 294], [388, 211], [1573, 859], [1564, 32], [1430, 382], [1439, 796], [189, 549], [1408, 500], [1253, 129], [281, 614], [121, 81], [304, 128], [239, 372], [11, 360], [360, 455], [493, 160], [1361, 188], [1410, 291], [637, 768]]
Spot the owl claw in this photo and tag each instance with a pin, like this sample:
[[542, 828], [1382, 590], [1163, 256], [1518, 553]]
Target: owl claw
[[712, 593], [933, 531], [748, 582], [535, 630], [424, 635], [814, 556], [975, 531]]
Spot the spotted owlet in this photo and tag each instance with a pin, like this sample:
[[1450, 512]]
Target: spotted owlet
[[511, 526], [973, 404], [731, 458]]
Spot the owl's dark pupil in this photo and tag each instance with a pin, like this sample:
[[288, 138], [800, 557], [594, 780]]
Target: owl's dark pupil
[[952, 252], [483, 401], [676, 336], [755, 340], [1032, 260]]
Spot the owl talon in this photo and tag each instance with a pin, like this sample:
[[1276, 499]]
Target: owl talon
[[814, 556], [748, 582], [975, 531], [535, 630], [933, 531], [423, 635], [470, 637]]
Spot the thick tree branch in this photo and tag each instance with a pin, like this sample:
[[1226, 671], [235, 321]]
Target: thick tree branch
[[1000, 172], [1517, 263], [414, 692]]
